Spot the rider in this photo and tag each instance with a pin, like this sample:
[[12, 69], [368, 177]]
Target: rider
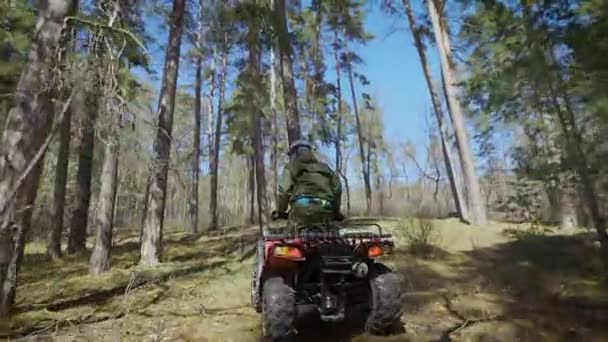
[[312, 192], [309, 187]]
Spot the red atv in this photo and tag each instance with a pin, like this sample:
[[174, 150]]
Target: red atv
[[331, 267]]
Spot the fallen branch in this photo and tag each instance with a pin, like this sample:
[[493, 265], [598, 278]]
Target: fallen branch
[[102, 295], [464, 322], [56, 324]]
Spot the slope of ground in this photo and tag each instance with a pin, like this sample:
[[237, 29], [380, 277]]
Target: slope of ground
[[495, 283]]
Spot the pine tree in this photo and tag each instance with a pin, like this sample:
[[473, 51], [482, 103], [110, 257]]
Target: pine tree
[[151, 241]]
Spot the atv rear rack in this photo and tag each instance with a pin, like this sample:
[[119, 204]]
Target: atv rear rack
[[324, 236], [329, 232]]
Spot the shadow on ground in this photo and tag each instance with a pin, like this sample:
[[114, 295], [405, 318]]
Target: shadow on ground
[[535, 288], [532, 288]]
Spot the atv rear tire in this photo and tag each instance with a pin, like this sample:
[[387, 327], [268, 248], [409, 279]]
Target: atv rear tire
[[278, 310], [386, 305]]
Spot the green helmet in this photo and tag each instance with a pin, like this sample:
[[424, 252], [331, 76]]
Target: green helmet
[[296, 145]]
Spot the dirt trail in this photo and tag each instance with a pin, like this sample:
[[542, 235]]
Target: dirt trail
[[527, 289]]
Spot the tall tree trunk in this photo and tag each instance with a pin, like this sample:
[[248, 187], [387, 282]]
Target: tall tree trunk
[[105, 208], [196, 160], [338, 141], [151, 246], [259, 171], [210, 109], [361, 139], [445, 145], [346, 186], [251, 183], [25, 208], [53, 249], [477, 208], [287, 80], [256, 110], [317, 59], [578, 156], [379, 186], [275, 122], [215, 158], [145, 211], [63, 156], [80, 216]]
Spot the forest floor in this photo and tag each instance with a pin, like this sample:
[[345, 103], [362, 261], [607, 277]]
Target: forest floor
[[502, 282]]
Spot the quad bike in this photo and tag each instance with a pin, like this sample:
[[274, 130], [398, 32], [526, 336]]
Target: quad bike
[[331, 267]]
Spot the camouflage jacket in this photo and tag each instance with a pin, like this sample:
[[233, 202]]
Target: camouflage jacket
[[306, 176]]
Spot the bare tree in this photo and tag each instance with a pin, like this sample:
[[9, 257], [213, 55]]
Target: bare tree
[[151, 245], [477, 207], [360, 138], [457, 192]]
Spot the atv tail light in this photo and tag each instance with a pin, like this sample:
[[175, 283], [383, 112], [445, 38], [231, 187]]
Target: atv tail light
[[288, 252], [374, 251]]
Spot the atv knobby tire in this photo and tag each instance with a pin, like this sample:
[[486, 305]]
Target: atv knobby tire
[[278, 310], [385, 302]]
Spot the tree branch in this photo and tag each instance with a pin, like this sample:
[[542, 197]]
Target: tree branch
[[111, 28]]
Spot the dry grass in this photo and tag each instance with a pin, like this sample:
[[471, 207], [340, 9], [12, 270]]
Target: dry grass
[[62, 292], [480, 280]]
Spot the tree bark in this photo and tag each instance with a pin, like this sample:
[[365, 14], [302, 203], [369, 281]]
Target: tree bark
[[477, 209], [215, 158], [275, 121], [25, 208], [78, 224], [53, 248], [361, 138], [61, 172], [151, 246], [251, 183], [104, 222], [578, 156], [196, 160], [457, 192], [287, 80], [317, 59], [338, 141], [256, 110], [210, 109]]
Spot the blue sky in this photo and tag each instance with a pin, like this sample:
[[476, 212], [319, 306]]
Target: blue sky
[[390, 63], [397, 81]]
